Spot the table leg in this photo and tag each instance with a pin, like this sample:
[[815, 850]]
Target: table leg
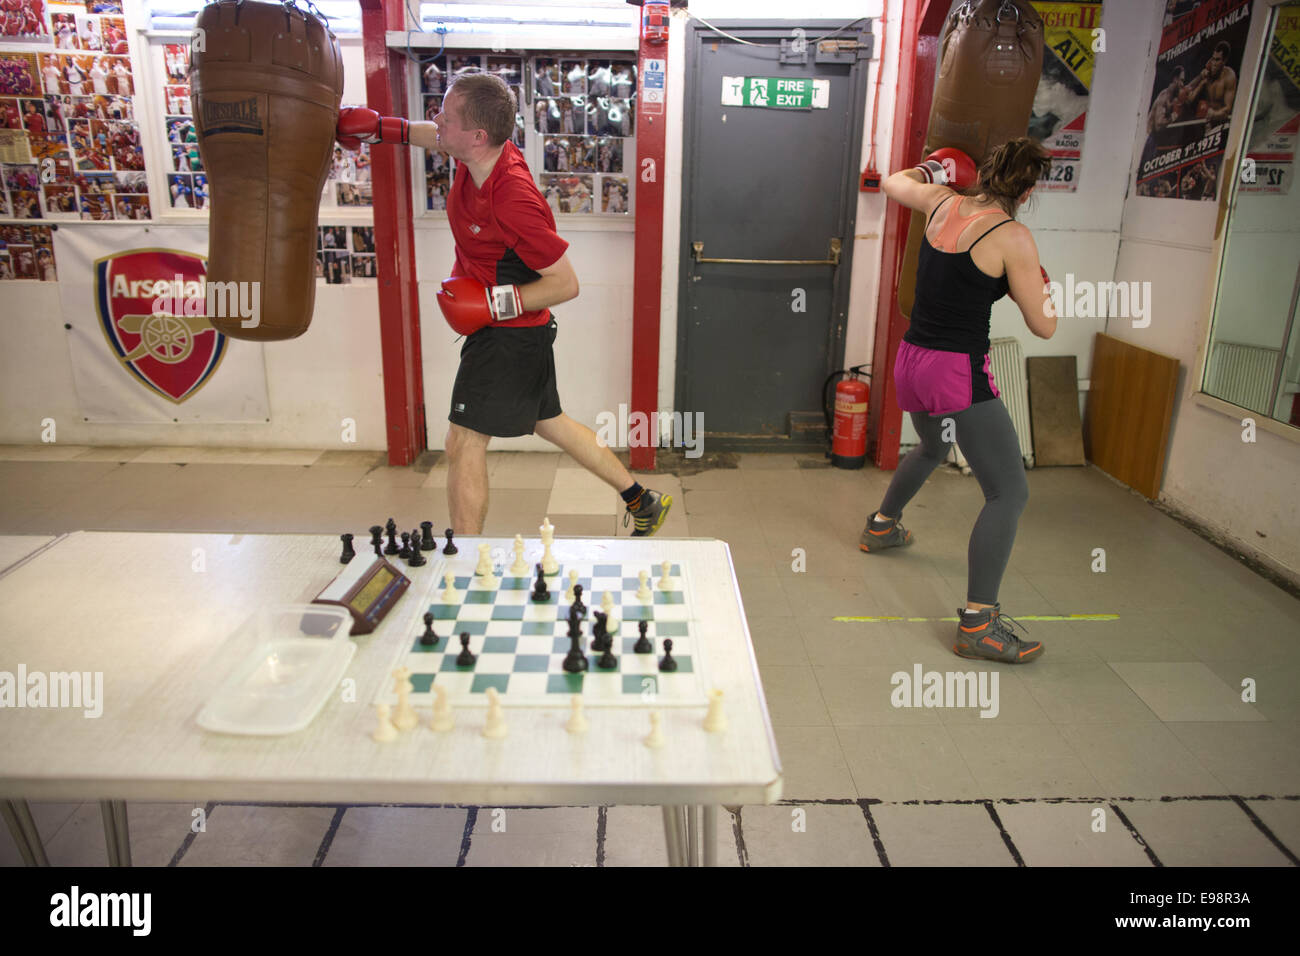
[[710, 835], [123, 833], [674, 836], [18, 816], [693, 835], [110, 831]]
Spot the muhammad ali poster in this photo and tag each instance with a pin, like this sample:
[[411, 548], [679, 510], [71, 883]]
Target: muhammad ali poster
[[1197, 87], [1071, 35]]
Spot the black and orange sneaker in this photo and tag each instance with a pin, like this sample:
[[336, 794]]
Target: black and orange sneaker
[[648, 511], [879, 535], [983, 635]]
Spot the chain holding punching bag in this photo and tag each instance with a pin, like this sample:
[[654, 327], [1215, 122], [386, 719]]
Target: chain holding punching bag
[[991, 58], [266, 80]]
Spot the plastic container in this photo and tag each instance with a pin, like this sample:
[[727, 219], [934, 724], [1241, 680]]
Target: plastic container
[[281, 665]]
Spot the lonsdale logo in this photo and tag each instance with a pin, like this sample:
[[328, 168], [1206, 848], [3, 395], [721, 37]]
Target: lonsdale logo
[[173, 352], [237, 116]]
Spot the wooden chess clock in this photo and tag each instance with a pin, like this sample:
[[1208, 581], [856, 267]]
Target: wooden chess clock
[[368, 589]]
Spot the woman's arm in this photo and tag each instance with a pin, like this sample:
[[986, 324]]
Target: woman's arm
[[908, 189]]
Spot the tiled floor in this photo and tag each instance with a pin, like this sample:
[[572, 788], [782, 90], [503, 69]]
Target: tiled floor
[[1129, 743]]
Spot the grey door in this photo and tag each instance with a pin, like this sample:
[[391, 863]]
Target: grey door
[[757, 341]]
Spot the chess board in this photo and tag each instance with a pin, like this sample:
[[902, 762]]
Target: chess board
[[520, 644]]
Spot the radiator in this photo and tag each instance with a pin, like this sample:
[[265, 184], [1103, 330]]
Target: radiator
[[1242, 375], [1007, 361]]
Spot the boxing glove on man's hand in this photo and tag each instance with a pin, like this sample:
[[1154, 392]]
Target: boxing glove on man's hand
[[359, 124], [468, 305], [949, 167]]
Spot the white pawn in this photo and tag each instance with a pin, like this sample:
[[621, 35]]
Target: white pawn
[[449, 594], [643, 592], [715, 721], [655, 740], [385, 731], [607, 603], [569, 595], [520, 568], [549, 564], [495, 726], [405, 717], [577, 719], [442, 719], [665, 579]]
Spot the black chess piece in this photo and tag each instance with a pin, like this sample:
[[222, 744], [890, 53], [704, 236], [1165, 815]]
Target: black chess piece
[[600, 639], [450, 546], [540, 591], [405, 552], [416, 560], [428, 638], [391, 528], [465, 658], [607, 661], [577, 600], [666, 663], [426, 539], [575, 662], [643, 645], [348, 553], [377, 539]]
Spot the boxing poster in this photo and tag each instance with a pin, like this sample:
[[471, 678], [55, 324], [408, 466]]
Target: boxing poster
[[1271, 147], [1061, 102], [1197, 88], [24, 20]]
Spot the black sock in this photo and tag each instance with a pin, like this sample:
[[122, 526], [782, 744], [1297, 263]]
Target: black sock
[[633, 493]]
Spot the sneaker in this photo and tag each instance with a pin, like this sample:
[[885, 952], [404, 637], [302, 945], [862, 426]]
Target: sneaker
[[983, 636], [650, 515], [879, 535]]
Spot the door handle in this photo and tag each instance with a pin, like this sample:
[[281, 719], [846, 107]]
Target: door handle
[[697, 250]]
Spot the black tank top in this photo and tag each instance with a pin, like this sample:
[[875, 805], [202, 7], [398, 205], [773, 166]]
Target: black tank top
[[954, 298]]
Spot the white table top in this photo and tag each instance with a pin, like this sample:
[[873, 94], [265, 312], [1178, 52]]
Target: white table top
[[132, 606], [15, 547]]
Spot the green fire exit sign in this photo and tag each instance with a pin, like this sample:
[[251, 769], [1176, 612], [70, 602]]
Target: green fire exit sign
[[778, 93]]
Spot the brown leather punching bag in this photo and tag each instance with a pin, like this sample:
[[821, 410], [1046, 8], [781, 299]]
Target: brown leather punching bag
[[266, 80], [990, 60]]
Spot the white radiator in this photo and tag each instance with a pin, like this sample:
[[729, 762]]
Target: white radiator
[[1007, 361], [1242, 375]]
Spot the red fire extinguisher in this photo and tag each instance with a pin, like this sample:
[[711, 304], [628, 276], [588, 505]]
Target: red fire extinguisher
[[849, 431]]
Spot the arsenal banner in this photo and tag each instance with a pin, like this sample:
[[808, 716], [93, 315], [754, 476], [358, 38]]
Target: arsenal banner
[[135, 302]]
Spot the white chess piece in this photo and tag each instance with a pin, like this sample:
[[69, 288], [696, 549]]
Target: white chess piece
[[655, 740], [665, 579], [520, 568], [442, 719], [569, 595], [578, 723], [549, 564], [404, 718], [607, 603], [715, 721], [643, 591], [385, 731], [484, 565], [495, 726], [449, 594]]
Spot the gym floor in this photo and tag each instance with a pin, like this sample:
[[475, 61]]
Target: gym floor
[[1140, 716]]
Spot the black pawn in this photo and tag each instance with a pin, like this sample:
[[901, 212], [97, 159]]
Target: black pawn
[[405, 552], [666, 663], [416, 559], [450, 546], [391, 528], [600, 639], [348, 553], [607, 661], [465, 658], [426, 539], [428, 638], [377, 539], [577, 600], [540, 591], [642, 645]]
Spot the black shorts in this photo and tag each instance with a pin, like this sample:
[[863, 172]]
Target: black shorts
[[506, 381]]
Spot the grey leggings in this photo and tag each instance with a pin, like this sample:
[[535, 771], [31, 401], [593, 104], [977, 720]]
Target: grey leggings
[[988, 440]]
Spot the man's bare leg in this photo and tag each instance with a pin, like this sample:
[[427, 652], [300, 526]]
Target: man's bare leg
[[581, 444], [467, 481]]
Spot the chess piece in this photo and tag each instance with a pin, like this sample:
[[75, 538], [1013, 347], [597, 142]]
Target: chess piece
[[450, 546], [575, 662], [666, 663], [715, 721], [348, 553], [643, 645], [495, 726], [465, 658], [656, 738], [405, 552], [391, 528], [540, 591], [442, 718], [385, 731], [427, 543], [377, 539], [607, 661], [549, 564], [449, 594], [607, 603], [520, 568], [577, 723], [577, 600], [643, 592], [416, 559], [428, 638], [573, 583], [665, 576], [484, 565], [599, 633]]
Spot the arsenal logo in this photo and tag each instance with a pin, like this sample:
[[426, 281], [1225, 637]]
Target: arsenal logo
[[152, 306]]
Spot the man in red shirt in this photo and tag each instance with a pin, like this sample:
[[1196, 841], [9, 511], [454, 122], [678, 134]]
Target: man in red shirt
[[511, 266]]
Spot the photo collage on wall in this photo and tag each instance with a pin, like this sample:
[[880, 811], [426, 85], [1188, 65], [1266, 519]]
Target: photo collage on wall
[[27, 252], [187, 182], [585, 111], [345, 254], [69, 143]]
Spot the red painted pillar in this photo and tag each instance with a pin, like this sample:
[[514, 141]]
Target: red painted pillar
[[649, 249], [922, 22], [399, 303]]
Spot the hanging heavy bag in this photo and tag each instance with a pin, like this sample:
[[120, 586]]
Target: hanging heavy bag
[[266, 80], [991, 58]]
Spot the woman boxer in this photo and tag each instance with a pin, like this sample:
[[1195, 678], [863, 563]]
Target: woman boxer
[[973, 253]]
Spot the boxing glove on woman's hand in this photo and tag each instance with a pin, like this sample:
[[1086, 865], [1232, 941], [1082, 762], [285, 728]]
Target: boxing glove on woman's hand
[[949, 167], [1046, 280], [359, 124]]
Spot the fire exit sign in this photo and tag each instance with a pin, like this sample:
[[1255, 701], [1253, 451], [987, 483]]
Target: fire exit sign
[[784, 93]]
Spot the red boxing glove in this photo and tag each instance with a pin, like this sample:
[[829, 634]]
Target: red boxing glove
[[949, 167], [468, 305], [1046, 280], [358, 124]]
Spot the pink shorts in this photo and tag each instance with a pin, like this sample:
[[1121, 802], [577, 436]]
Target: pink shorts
[[941, 383]]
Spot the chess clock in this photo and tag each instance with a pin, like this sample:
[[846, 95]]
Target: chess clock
[[368, 591]]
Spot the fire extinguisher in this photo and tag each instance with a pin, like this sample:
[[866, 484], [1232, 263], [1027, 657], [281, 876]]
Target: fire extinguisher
[[654, 21], [848, 431]]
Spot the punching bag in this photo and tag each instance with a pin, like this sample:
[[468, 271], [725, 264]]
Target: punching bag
[[990, 60], [266, 80]]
